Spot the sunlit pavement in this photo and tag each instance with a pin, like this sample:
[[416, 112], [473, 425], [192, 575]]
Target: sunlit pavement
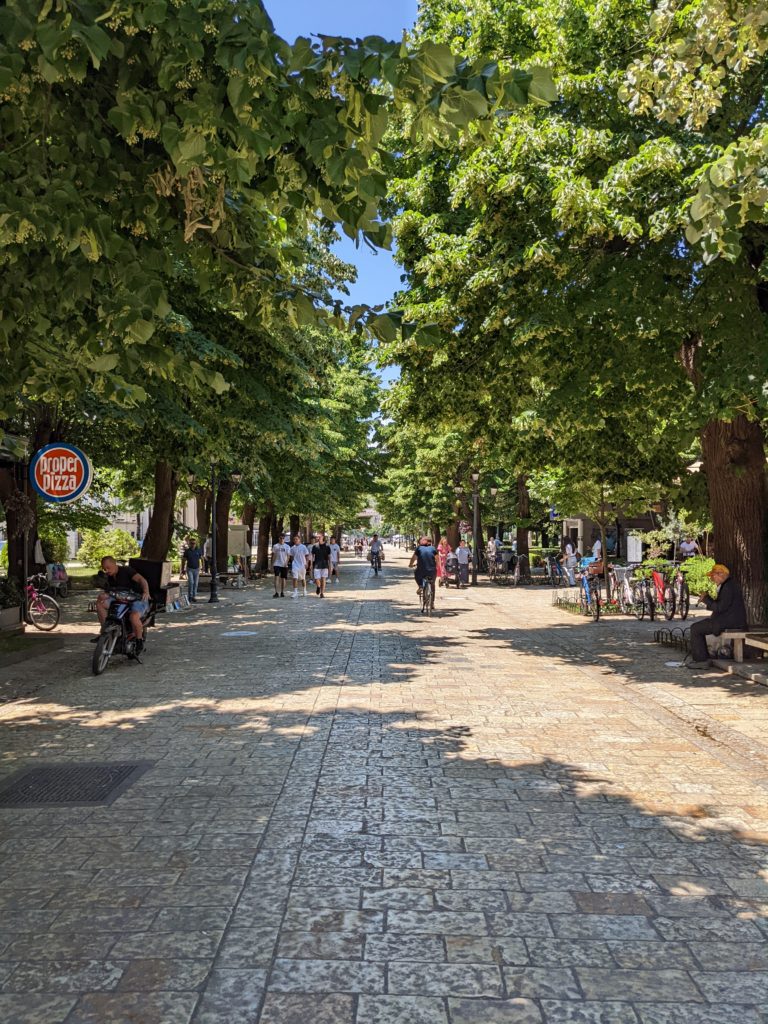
[[504, 813]]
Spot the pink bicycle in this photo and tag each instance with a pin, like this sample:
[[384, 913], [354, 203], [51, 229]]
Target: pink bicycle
[[43, 611]]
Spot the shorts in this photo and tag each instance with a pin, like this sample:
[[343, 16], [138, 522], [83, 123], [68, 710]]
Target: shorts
[[421, 576], [321, 574], [142, 607], [281, 571], [298, 572]]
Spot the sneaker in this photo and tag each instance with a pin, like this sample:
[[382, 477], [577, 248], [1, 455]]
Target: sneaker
[[317, 590], [294, 595], [275, 594], [695, 666], [322, 595], [282, 594], [192, 600]]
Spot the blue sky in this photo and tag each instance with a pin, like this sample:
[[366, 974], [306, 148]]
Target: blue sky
[[378, 274]]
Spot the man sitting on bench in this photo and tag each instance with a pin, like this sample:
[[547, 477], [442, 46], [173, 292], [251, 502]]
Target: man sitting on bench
[[728, 612]]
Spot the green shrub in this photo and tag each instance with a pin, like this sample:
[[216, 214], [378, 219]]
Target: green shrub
[[10, 593], [4, 557], [696, 570], [54, 541], [97, 544]]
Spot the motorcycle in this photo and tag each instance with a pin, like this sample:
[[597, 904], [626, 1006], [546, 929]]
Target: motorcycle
[[116, 636]]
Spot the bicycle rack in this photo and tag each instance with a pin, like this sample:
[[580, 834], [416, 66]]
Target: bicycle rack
[[676, 637]]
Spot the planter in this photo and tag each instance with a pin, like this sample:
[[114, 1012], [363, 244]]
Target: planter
[[10, 619]]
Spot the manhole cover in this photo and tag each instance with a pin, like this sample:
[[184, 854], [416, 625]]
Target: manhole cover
[[69, 785]]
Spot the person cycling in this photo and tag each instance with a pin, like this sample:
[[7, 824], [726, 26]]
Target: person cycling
[[376, 549], [123, 577], [425, 560]]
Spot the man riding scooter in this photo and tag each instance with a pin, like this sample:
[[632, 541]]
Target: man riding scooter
[[122, 577]]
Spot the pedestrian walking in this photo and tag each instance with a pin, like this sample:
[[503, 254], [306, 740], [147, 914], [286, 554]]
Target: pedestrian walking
[[335, 559], [321, 562], [568, 560], [281, 552], [443, 550], [193, 556], [464, 555], [299, 560], [208, 552]]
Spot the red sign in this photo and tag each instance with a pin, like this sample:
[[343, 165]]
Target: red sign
[[60, 473]]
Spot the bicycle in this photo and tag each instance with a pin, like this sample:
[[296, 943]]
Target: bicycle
[[517, 572], [589, 595], [643, 600], [427, 596], [621, 587], [682, 594], [43, 611], [376, 563], [663, 593], [555, 572]]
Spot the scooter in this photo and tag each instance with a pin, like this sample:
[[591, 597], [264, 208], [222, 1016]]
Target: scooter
[[116, 636]]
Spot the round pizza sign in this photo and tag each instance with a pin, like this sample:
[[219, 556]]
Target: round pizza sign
[[60, 473]]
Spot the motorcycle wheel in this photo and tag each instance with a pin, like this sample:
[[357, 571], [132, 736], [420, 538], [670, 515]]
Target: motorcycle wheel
[[105, 646]]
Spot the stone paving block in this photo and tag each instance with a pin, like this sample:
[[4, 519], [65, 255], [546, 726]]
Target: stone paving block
[[471, 949], [541, 982], [326, 976], [612, 903], [494, 1011], [320, 945], [662, 985], [749, 987], [569, 953], [65, 976], [694, 1013], [601, 926], [653, 955], [149, 1008], [392, 946], [165, 975], [521, 924], [558, 1012], [444, 979], [233, 996], [285, 1008], [437, 922], [730, 956], [401, 1010], [35, 1009]]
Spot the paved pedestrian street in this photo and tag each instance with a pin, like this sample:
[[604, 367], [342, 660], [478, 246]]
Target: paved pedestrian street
[[355, 814]]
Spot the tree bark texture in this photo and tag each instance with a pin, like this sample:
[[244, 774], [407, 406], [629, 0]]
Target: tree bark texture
[[295, 526], [203, 512], [247, 519], [734, 460], [277, 529], [158, 537], [523, 513], [262, 546], [223, 502], [452, 534]]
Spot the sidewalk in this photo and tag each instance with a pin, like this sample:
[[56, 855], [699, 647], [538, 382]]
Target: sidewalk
[[356, 815]]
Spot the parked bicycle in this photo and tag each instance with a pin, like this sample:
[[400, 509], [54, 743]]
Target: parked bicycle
[[43, 611], [663, 593], [590, 595], [643, 599], [621, 587], [681, 592]]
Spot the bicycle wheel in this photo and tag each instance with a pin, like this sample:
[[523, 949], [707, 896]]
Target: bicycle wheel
[[583, 598], [684, 603], [105, 645], [669, 602], [594, 601], [428, 598], [638, 603], [651, 601], [43, 612]]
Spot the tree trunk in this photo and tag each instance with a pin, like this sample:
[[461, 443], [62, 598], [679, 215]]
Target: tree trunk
[[734, 461], [160, 531], [247, 519], [295, 526], [452, 534], [523, 514], [277, 529], [203, 512], [310, 528], [223, 502], [435, 531], [262, 549]]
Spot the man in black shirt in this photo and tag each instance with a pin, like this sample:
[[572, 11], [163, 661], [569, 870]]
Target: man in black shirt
[[122, 577], [425, 560], [728, 612], [321, 563]]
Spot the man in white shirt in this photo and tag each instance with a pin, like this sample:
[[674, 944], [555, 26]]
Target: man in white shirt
[[335, 559], [569, 560], [376, 552], [597, 549], [299, 557], [689, 548], [280, 554]]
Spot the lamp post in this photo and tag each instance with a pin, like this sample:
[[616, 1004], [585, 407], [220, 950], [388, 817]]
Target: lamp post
[[214, 598], [475, 526]]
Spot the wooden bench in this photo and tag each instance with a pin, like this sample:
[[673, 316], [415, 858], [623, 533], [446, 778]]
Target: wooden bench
[[754, 636]]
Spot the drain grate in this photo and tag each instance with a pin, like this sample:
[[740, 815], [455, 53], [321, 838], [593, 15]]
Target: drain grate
[[70, 785]]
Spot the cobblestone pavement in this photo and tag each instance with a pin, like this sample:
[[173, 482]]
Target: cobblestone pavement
[[502, 814]]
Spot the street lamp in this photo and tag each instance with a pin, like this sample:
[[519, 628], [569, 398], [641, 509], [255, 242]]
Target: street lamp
[[475, 477], [237, 476], [214, 598]]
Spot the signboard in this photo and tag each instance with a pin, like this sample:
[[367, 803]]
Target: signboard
[[60, 473]]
